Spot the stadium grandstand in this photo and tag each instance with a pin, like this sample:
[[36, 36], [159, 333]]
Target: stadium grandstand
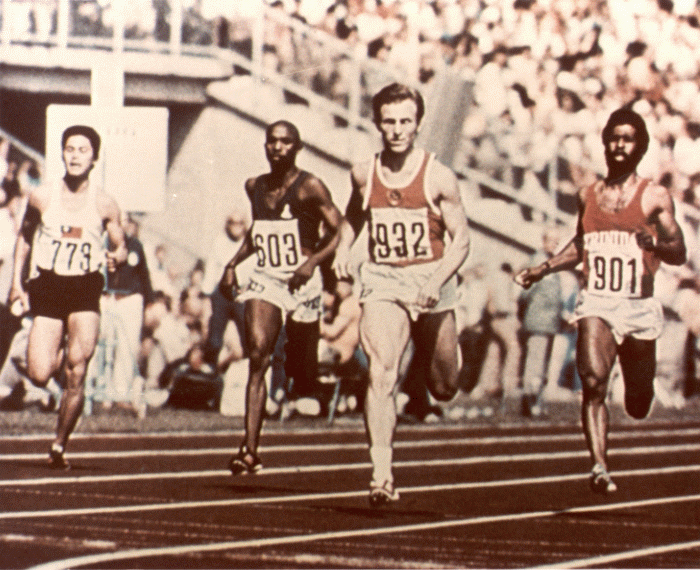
[[517, 93]]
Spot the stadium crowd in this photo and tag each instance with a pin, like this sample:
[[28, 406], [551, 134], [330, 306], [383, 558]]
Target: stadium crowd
[[545, 75], [186, 333]]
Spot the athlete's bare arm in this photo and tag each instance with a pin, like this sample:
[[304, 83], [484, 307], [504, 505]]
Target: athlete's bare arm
[[444, 192], [568, 258], [315, 195], [37, 203], [111, 219], [354, 220], [658, 206], [228, 279]]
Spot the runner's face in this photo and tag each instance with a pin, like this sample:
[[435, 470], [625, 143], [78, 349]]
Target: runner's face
[[78, 155], [621, 145], [281, 146], [398, 125]]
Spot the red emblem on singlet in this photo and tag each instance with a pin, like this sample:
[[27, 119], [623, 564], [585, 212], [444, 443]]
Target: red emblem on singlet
[[394, 196]]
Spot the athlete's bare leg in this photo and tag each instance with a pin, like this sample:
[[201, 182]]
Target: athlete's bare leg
[[83, 330], [638, 363], [435, 338], [595, 356], [263, 322], [44, 349], [384, 331]]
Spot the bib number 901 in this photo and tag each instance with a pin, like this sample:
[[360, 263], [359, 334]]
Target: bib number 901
[[615, 276]]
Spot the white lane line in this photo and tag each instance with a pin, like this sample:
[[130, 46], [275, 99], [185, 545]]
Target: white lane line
[[654, 430], [319, 447], [473, 460], [135, 554], [291, 498], [618, 557]]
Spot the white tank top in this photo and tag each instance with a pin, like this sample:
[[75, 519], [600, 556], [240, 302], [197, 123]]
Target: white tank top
[[69, 242]]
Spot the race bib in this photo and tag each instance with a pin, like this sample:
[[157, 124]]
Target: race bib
[[614, 263], [68, 254], [277, 244], [400, 235]]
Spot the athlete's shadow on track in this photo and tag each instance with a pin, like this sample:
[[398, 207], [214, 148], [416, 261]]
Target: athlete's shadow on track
[[15, 467], [253, 489], [386, 512]]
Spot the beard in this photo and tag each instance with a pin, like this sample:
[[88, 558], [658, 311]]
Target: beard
[[619, 170]]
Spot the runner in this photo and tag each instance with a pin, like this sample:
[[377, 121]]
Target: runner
[[409, 283], [289, 206], [65, 224], [626, 228]]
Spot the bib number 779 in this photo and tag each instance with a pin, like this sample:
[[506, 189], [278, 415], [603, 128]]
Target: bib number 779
[[64, 256]]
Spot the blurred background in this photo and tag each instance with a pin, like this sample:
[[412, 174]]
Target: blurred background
[[517, 94]]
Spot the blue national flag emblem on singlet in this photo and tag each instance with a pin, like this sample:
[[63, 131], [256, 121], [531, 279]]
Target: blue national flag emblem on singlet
[[71, 232]]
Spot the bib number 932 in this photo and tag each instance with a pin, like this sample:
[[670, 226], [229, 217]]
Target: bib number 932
[[400, 234]]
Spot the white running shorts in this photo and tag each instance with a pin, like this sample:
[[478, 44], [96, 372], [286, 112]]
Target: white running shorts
[[401, 285], [304, 305], [639, 318]]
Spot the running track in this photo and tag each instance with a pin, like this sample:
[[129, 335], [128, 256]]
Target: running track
[[485, 497]]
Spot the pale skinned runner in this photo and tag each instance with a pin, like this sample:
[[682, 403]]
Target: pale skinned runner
[[46, 352], [387, 324]]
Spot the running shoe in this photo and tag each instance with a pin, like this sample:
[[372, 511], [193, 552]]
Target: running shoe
[[57, 459], [600, 480], [245, 462], [381, 494]]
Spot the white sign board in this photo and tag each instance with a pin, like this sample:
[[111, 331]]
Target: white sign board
[[132, 164]]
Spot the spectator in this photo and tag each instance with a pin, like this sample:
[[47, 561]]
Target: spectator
[[226, 315], [29, 176], [489, 88], [8, 235], [166, 341], [162, 273], [4, 152], [563, 380], [499, 376], [340, 356], [127, 292], [10, 183], [541, 321]]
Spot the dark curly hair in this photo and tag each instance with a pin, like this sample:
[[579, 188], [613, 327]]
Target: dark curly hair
[[626, 116]]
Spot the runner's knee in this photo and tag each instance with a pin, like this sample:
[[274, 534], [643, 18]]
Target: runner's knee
[[444, 384], [40, 370], [40, 374], [594, 389], [382, 378], [444, 392]]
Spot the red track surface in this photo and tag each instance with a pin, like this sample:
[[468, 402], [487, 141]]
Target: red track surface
[[483, 497]]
